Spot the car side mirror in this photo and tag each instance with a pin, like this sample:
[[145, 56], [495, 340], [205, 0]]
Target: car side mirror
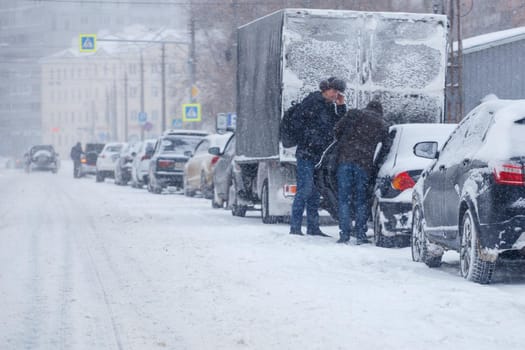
[[149, 152], [215, 151], [427, 149], [188, 154]]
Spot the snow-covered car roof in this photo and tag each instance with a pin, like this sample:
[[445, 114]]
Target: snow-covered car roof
[[219, 140], [185, 132], [505, 138]]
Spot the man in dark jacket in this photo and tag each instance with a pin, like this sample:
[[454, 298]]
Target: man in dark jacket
[[76, 153], [317, 115], [358, 135]]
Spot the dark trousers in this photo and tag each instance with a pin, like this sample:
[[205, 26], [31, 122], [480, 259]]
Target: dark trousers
[[351, 178], [307, 196]]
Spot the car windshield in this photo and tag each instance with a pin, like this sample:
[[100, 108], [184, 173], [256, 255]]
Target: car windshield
[[179, 144], [94, 147], [115, 148], [48, 148]]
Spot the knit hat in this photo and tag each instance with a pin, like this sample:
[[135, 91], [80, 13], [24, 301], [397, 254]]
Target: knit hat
[[332, 83], [375, 106]]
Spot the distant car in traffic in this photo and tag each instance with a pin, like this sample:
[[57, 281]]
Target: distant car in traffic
[[88, 160], [106, 160], [42, 157], [401, 168], [123, 165], [198, 171], [472, 198], [166, 168], [140, 164]]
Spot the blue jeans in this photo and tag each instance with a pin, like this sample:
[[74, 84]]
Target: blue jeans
[[351, 177], [306, 195]]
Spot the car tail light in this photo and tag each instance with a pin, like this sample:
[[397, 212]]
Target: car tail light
[[164, 163], [509, 174], [83, 160], [289, 190], [214, 160], [145, 157], [403, 181]]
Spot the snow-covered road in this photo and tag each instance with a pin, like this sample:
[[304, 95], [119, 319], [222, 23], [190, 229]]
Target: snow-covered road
[[97, 266]]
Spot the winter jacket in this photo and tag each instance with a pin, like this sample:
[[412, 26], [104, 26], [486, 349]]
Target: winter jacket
[[358, 134], [317, 119], [76, 152]]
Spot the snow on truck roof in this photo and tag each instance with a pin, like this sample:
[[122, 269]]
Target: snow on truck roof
[[349, 13]]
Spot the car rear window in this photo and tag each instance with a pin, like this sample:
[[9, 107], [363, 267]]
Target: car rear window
[[504, 140]]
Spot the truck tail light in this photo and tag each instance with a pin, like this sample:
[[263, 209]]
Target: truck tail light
[[403, 181], [289, 190], [509, 174]]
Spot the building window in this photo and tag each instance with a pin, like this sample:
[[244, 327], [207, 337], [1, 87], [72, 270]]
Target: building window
[[154, 91]]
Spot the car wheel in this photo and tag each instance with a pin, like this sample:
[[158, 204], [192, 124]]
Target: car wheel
[[419, 242], [265, 206], [99, 177], [472, 267], [380, 240], [187, 191], [216, 201]]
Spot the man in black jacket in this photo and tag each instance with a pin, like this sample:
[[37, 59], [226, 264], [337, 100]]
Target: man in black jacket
[[358, 135], [76, 153], [317, 115]]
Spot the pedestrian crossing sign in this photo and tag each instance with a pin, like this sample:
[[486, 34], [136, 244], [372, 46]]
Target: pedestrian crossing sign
[[191, 112], [88, 42]]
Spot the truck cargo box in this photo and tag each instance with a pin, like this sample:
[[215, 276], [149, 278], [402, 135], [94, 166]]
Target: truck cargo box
[[399, 58]]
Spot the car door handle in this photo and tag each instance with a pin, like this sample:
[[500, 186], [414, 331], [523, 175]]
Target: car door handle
[[442, 167], [466, 161]]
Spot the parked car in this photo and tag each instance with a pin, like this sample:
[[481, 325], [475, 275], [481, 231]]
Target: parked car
[[123, 164], [42, 157], [106, 160], [222, 173], [140, 164], [472, 198], [401, 168], [171, 153], [88, 160], [198, 171], [182, 132]]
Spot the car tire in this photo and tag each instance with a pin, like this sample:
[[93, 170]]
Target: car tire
[[265, 206], [187, 191], [380, 240], [204, 188], [99, 177], [216, 201], [419, 242], [472, 266]]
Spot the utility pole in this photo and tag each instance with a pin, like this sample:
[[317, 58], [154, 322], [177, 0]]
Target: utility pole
[[163, 87], [192, 53], [141, 93], [455, 65], [126, 106]]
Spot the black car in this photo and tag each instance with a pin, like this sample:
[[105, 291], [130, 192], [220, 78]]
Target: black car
[[88, 160], [472, 198], [42, 157], [166, 167]]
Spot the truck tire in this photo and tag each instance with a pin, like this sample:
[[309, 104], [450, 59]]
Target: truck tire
[[237, 209], [471, 265], [265, 206]]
